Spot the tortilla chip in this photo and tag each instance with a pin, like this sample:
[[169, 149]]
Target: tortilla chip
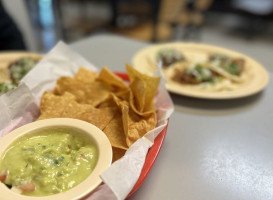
[[134, 125], [117, 153], [67, 84], [143, 114], [125, 120], [93, 93], [124, 95], [99, 117], [65, 106], [115, 133], [109, 102], [112, 79], [86, 76], [138, 87], [151, 89], [52, 106], [138, 126], [128, 96]]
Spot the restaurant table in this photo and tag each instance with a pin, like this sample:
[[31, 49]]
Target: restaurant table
[[213, 150]]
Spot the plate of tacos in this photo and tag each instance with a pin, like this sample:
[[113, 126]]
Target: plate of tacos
[[203, 71]]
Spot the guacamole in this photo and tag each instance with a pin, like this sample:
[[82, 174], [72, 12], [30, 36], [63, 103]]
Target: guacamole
[[48, 162]]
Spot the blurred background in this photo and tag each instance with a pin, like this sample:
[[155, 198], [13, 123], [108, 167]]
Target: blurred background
[[36, 25]]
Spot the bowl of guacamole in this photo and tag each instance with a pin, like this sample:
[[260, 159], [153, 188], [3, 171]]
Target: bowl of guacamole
[[57, 158]]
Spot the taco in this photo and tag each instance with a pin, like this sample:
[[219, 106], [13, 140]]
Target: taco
[[231, 68], [12, 73], [196, 76], [169, 56], [20, 68]]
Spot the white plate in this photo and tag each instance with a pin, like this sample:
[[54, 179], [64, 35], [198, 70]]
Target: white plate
[[258, 77]]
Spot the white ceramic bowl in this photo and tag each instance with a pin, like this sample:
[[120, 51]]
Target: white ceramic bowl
[[82, 189]]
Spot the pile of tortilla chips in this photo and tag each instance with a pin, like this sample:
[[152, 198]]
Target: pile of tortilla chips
[[123, 112]]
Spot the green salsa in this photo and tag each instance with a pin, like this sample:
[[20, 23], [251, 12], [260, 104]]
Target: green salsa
[[51, 160]]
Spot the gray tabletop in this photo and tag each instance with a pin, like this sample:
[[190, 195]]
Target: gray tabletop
[[213, 149]]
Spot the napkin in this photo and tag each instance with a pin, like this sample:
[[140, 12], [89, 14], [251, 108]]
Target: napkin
[[21, 106]]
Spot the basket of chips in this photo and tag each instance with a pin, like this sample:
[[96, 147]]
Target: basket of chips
[[131, 108]]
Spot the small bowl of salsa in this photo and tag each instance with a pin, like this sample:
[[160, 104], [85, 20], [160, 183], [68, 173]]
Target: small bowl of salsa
[[58, 158]]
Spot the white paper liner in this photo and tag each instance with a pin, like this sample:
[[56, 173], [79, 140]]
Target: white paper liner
[[17, 108], [20, 107]]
